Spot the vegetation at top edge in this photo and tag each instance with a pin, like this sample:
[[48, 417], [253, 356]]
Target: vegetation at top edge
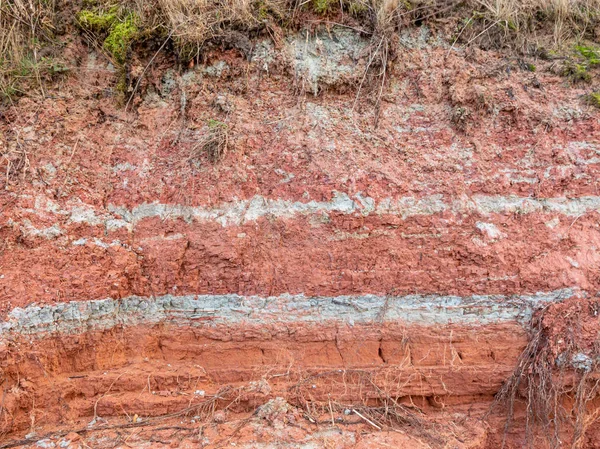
[[98, 21], [578, 67], [28, 27], [120, 26], [30, 57], [593, 99]]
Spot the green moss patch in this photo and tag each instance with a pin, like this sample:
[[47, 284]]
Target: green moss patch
[[581, 62], [120, 38], [591, 55], [322, 6], [120, 27], [594, 99], [117, 29], [97, 21]]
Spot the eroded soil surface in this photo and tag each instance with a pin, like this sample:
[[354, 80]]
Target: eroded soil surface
[[326, 282]]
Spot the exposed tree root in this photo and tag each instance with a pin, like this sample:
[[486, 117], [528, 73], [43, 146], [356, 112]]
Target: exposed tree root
[[377, 407], [557, 377]]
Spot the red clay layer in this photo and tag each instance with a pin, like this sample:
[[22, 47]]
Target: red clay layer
[[348, 255], [527, 134], [155, 370], [523, 140]]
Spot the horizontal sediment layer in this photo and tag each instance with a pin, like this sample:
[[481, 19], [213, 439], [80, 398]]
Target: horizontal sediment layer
[[81, 361], [538, 144], [232, 310], [341, 247], [153, 356], [244, 211]]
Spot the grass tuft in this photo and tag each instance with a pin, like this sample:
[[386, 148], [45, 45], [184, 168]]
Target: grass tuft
[[27, 32], [214, 144], [566, 18], [593, 99], [28, 28], [193, 22]]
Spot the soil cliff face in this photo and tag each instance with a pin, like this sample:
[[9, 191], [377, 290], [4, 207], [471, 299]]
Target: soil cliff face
[[268, 250]]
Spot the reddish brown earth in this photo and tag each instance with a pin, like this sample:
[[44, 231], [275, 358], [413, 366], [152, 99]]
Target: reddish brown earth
[[154, 371], [75, 159]]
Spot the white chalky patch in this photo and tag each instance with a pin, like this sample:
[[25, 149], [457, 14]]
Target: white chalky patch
[[490, 230], [211, 310]]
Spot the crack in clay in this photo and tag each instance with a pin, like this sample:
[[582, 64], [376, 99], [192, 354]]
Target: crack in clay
[[201, 310]]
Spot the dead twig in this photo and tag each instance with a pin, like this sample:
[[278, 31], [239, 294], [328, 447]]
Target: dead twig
[[366, 419]]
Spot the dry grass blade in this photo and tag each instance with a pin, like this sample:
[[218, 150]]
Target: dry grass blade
[[14, 159], [215, 144], [197, 21], [24, 28], [377, 407]]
